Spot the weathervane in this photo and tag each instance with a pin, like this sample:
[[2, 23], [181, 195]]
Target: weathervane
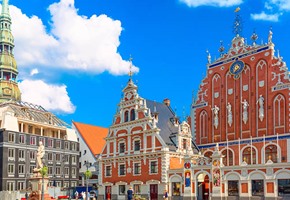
[[238, 23]]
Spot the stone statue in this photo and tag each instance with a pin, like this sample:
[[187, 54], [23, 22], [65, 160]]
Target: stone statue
[[270, 37], [245, 111], [261, 107], [216, 118], [230, 115], [39, 155]]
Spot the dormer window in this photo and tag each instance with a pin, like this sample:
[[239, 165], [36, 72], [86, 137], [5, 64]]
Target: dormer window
[[126, 116], [132, 115], [122, 147]]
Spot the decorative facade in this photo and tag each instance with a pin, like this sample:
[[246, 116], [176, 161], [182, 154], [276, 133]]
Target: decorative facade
[[145, 141], [240, 122]]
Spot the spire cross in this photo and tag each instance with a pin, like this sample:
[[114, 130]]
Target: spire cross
[[130, 70]]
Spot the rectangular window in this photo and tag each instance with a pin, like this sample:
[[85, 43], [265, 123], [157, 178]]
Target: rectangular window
[[108, 170], [31, 169], [32, 140], [283, 187], [73, 146], [22, 139], [233, 188], [42, 140], [20, 185], [66, 145], [10, 186], [66, 158], [73, 184], [66, 171], [122, 147], [137, 168], [122, 189], [11, 137], [50, 157], [11, 169], [137, 188], [153, 167], [258, 187], [137, 145], [21, 169], [184, 144], [50, 170], [57, 157], [32, 155], [50, 143], [11, 153], [73, 171], [57, 171], [57, 144], [122, 169], [73, 159], [21, 154]]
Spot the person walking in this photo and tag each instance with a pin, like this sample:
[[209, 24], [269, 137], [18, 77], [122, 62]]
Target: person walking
[[130, 193], [76, 195], [165, 195]]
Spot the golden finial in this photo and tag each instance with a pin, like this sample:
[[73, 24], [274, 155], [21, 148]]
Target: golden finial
[[130, 72], [237, 9]]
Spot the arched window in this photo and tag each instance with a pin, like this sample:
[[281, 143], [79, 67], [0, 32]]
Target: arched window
[[132, 115], [126, 116], [228, 157], [271, 153], [208, 155], [249, 156]]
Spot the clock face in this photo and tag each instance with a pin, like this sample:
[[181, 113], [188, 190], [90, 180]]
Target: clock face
[[236, 68]]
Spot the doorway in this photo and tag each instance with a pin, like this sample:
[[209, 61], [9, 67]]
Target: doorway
[[203, 187], [153, 192], [108, 192]]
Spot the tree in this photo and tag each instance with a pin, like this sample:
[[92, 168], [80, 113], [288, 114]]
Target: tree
[[43, 171]]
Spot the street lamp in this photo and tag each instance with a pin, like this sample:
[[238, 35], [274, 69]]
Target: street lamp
[[88, 174]]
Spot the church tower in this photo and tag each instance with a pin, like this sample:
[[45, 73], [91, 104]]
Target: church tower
[[8, 68]]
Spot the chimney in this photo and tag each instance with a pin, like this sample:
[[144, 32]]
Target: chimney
[[166, 102]]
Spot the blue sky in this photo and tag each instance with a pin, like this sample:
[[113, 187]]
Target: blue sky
[[73, 55]]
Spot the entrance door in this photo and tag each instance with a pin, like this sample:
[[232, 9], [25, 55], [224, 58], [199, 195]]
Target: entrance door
[[108, 192], [153, 192], [203, 189]]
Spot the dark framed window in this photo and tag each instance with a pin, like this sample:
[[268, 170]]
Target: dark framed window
[[132, 115], [122, 169], [126, 116], [22, 139], [122, 189], [283, 187], [137, 168], [153, 167], [137, 145], [228, 157], [32, 140], [258, 187], [122, 147], [233, 188], [11, 137], [108, 170]]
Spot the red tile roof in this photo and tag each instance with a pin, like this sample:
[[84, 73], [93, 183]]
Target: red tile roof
[[93, 136]]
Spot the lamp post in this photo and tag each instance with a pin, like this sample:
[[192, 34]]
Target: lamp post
[[43, 171], [88, 174]]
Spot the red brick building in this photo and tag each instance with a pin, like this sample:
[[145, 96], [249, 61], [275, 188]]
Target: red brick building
[[243, 106]]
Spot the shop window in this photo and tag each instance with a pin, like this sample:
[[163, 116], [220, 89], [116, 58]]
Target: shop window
[[233, 188], [283, 187], [176, 189], [258, 187], [249, 154]]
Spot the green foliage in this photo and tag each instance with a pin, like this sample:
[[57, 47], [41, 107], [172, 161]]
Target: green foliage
[[88, 174], [44, 171]]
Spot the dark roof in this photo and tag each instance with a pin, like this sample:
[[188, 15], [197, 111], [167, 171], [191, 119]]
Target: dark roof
[[165, 122]]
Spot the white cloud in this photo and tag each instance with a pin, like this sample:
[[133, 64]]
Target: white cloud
[[52, 97], [75, 42], [216, 3], [281, 4], [265, 17], [34, 71]]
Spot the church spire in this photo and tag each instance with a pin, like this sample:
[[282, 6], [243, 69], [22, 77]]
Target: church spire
[[8, 68]]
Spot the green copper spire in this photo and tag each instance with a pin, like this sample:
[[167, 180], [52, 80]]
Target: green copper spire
[[8, 68]]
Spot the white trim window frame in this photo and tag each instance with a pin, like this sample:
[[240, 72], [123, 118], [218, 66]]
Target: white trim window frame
[[137, 168], [122, 169], [108, 170], [153, 167]]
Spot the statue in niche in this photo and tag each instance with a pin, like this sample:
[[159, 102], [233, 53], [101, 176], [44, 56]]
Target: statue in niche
[[216, 118], [261, 107], [230, 114], [245, 105]]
